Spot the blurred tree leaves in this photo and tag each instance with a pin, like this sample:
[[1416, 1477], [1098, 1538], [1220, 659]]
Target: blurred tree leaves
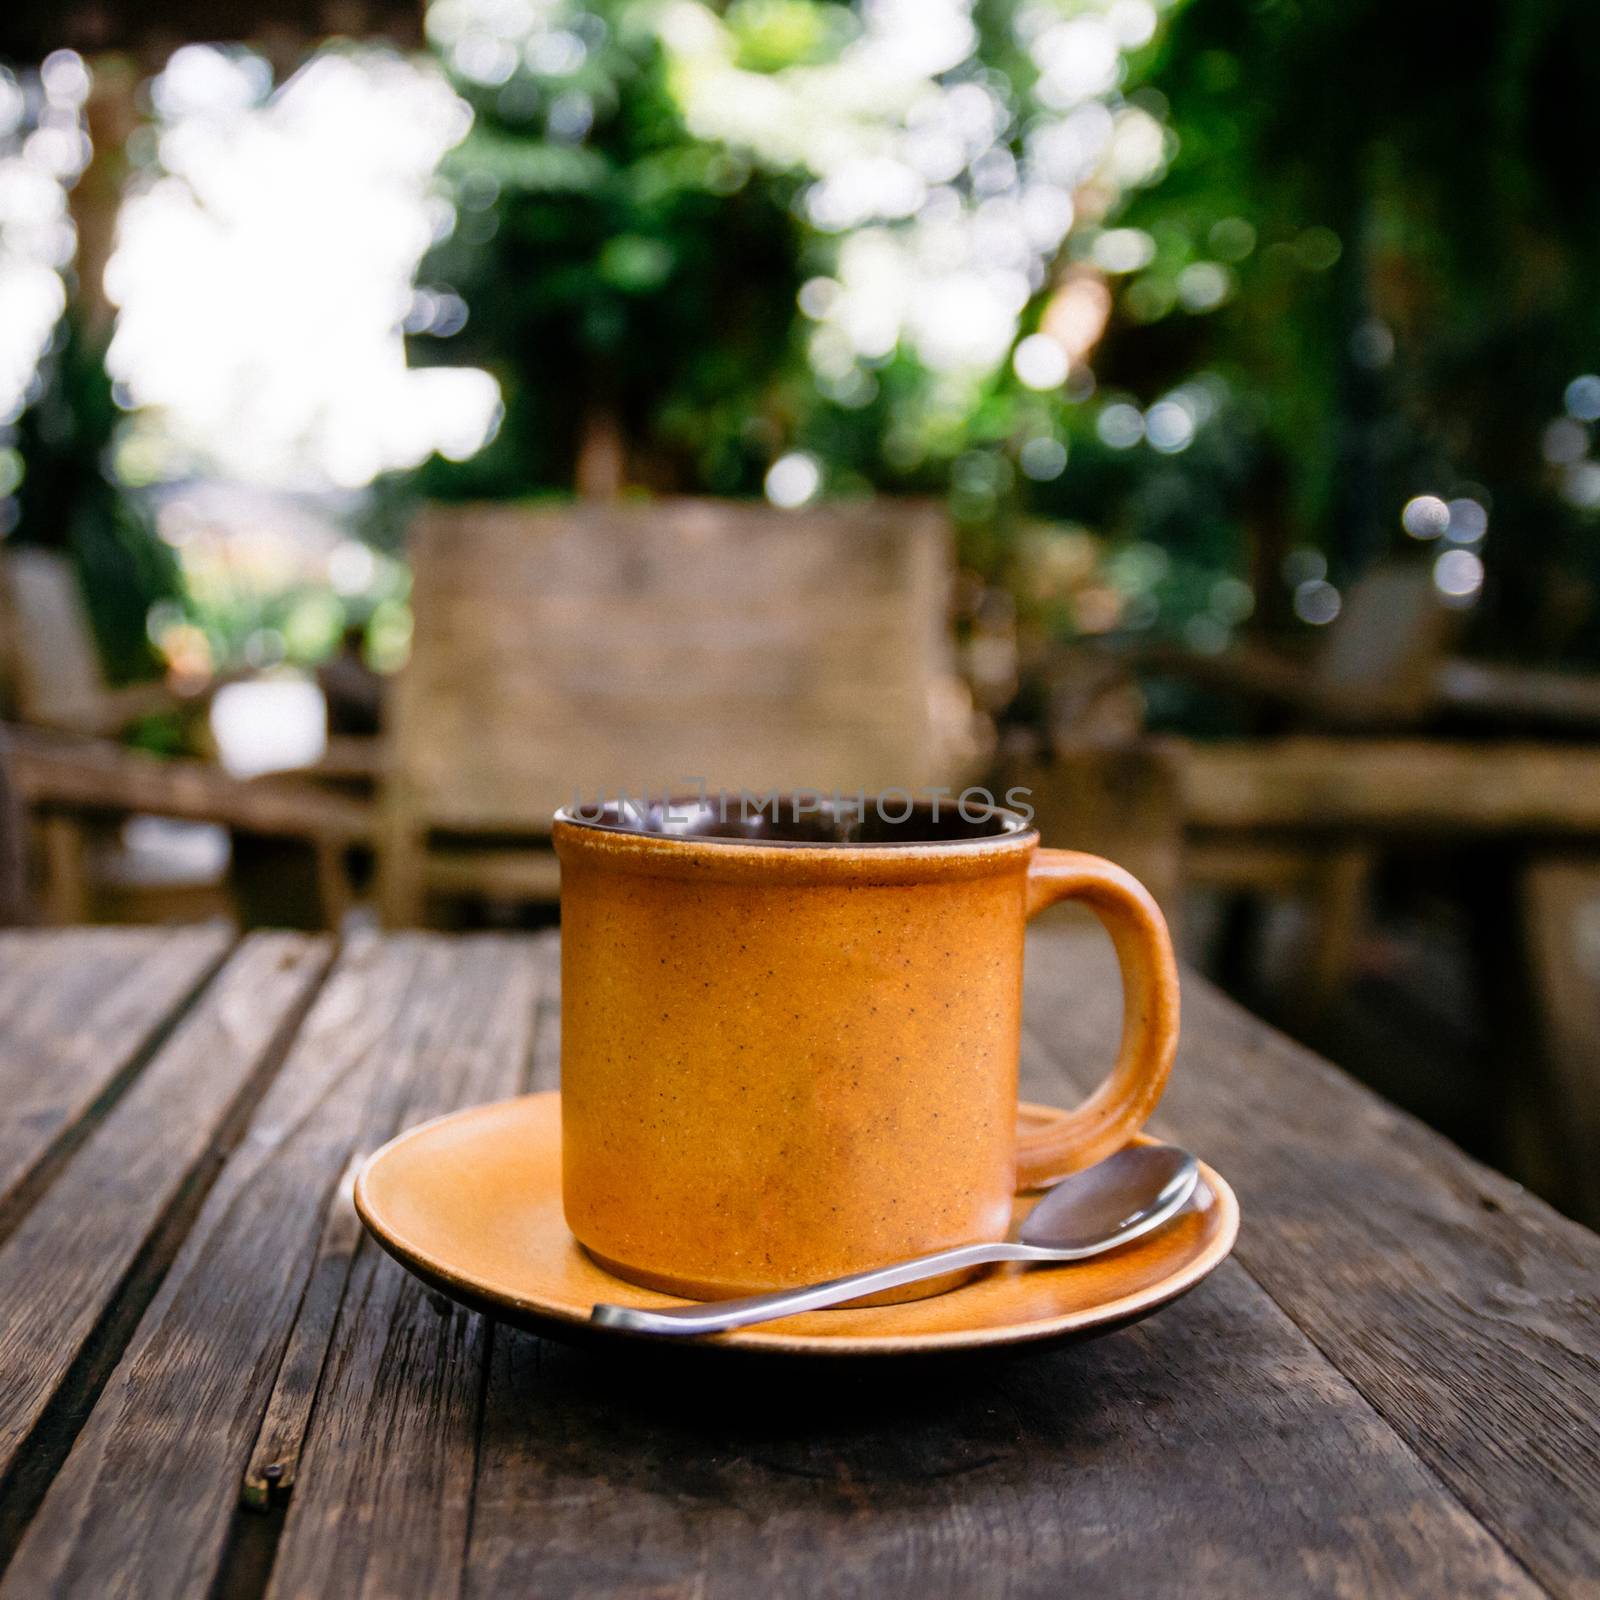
[[639, 284], [1404, 201]]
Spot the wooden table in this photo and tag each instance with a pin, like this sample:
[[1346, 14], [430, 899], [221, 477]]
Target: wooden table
[[1391, 1389]]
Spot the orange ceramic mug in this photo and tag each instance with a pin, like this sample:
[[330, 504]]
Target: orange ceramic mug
[[789, 1050]]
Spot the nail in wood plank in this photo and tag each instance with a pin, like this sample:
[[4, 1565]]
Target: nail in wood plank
[[269, 1478], [385, 1484], [143, 1502]]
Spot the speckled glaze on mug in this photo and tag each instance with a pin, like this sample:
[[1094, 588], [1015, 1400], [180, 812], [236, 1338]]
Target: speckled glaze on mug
[[790, 1051]]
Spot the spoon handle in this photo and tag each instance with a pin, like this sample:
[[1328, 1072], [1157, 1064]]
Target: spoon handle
[[718, 1316]]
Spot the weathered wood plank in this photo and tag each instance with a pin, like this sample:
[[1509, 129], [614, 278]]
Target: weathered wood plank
[[275, 1459], [1400, 785], [79, 1009], [385, 1490], [1467, 1312], [1211, 1450], [143, 1503], [60, 1269], [385, 1486]]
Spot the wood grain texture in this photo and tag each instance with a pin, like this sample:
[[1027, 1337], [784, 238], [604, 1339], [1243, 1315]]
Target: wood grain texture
[[1212, 1450], [63, 1264], [143, 1502], [385, 1487], [275, 1459], [1467, 1312], [78, 1010]]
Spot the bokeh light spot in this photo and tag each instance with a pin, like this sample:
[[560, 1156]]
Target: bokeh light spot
[[1425, 516], [793, 479], [1317, 602], [1120, 425], [1042, 459], [1458, 574], [1040, 362], [1583, 398]]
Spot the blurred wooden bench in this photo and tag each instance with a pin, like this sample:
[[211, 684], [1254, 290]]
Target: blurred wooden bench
[[72, 786], [1322, 784], [561, 652], [1311, 813]]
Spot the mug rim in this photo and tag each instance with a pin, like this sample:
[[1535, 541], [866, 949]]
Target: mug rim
[[1014, 829]]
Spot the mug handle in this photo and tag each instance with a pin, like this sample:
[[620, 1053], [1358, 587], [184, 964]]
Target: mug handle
[[1116, 1111]]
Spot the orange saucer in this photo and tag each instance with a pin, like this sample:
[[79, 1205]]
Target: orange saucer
[[471, 1203]]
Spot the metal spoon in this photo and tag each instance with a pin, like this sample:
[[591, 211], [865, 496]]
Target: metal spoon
[[1093, 1211]]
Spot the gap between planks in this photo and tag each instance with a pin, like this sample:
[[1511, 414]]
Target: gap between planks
[[270, 1473], [1066, 1066], [94, 1335], [37, 1170]]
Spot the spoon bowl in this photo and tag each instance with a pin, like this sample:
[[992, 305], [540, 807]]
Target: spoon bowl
[[1113, 1201]]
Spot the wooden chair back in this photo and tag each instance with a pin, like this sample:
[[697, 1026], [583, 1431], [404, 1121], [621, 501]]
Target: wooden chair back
[[564, 652], [1381, 657], [52, 668]]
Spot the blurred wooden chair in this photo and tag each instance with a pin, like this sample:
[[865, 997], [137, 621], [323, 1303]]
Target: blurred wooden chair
[[558, 653], [1377, 666], [51, 678], [290, 841], [48, 659]]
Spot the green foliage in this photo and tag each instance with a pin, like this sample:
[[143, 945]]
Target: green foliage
[[641, 282], [1368, 277], [772, 34], [1403, 200]]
